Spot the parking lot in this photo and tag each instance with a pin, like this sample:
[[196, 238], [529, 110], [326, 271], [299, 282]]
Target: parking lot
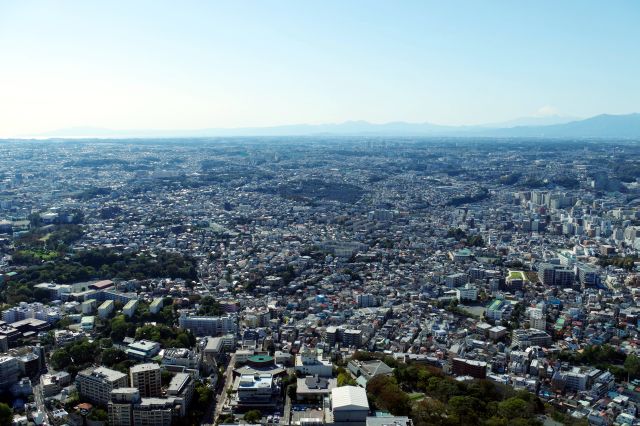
[[306, 412]]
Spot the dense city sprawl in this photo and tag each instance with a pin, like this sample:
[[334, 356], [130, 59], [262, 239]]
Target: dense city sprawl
[[308, 281]]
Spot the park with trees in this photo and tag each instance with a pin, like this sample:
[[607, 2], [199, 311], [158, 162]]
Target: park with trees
[[429, 397]]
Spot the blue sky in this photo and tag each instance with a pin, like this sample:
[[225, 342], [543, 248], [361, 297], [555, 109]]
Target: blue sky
[[202, 64]]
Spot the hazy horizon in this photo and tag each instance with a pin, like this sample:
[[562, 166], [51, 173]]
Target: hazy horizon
[[516, 121]]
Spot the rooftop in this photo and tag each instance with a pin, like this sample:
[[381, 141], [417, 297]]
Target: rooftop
[[349, 397], [143, 345], [177, 383], [149, 366], [248, 381], [104, 373], [517, 275], [261, 358]]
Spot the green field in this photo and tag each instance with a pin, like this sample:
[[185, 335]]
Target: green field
[[517, 275], [415, 396], [41, 254]]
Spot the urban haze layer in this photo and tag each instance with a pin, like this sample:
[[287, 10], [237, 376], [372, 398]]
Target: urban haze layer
[[309, 280]]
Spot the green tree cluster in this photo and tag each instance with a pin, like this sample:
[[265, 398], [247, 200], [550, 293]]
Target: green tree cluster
[[632, 365], [605, 357], [98, 414], [385, 394], [593, 354], [459, 235], [50, 236], [6, 415], [627, 262], [75, 356], [121, 328], [202, 398], [626, 171], [113, 356], [169, 337], [344, 378], [209, 306], [482, 194], [253, 416], [108, 264], [447, 401], [456, 233]]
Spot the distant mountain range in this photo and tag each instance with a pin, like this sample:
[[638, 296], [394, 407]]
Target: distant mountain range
[[603, 126]]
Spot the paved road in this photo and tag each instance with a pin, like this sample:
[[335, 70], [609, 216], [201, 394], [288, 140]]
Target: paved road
[[207, 419], [286, 418], [227, 383], [38, 397]]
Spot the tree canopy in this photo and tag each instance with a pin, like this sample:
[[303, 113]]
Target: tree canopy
[[6, 415], [430, 398]]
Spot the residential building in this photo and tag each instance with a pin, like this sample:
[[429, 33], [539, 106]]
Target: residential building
[[366, 300], [120, 406], [555, 275], [105, 309], [537, 319], [208, 326], [181, 389], [9, 371], [469, 367], [96, 383], [130, 308], [524, 338], [156, 305], [147, 379], [467, 293]]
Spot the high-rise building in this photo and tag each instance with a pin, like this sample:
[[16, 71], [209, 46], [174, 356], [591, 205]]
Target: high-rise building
[[331, 335], [537, 319], [208, 326], [367, 300], [468, 292], [128, 408], [96, 383], [352, 337], [120, 408], [156, 305], [587, 275], [550, 274], [9, 371], [147, 378], [524, 338], [348, 337], [181, 388], [130, 308], [154, 412], [456, 280], [469, 367]]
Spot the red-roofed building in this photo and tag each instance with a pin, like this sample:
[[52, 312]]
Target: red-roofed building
[[101, 285]]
